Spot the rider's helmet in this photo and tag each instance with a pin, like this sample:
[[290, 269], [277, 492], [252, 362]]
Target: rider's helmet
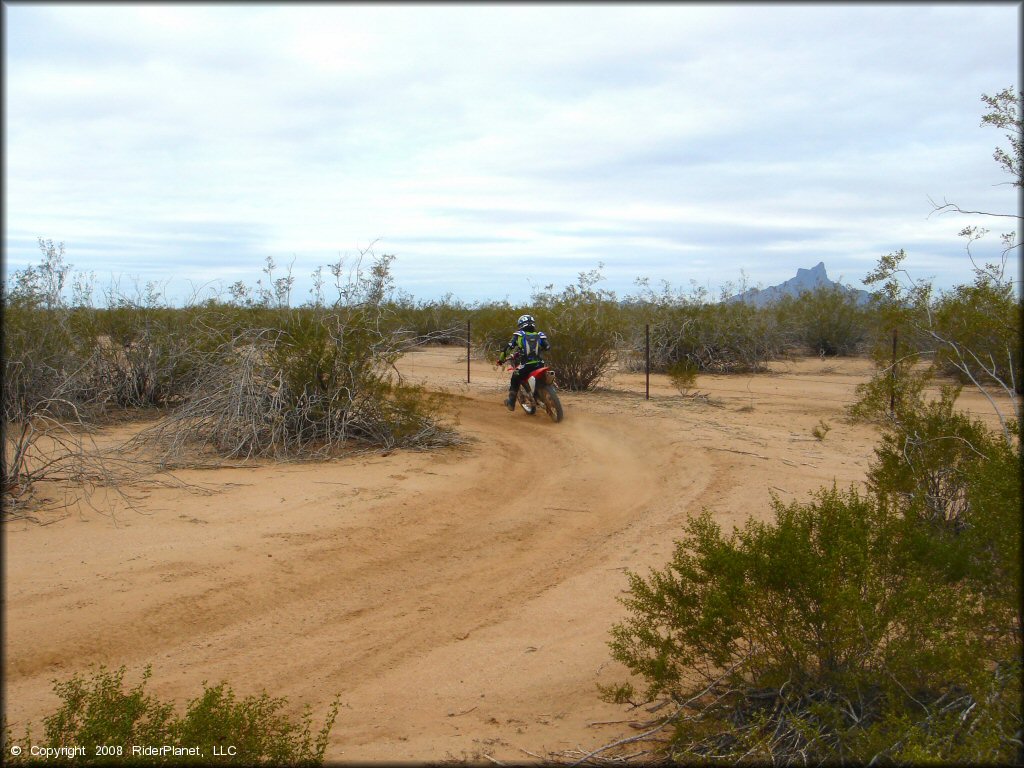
[[526, 321]]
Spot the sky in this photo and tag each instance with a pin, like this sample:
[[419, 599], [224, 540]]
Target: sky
[[495, 149]]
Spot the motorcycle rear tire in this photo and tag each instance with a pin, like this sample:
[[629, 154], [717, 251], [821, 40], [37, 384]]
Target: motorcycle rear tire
[[549, 397]]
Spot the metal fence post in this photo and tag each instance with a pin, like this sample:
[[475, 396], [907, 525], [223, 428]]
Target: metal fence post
[[647, 360], [892, 386], [468, 326]]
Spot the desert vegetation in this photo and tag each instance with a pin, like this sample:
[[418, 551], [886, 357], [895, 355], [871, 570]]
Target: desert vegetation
[[104, 721], [857, 627], [246, 377], [876, 624], [863, 626]]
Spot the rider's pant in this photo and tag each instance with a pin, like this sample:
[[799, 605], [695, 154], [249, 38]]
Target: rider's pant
[[519, 376]]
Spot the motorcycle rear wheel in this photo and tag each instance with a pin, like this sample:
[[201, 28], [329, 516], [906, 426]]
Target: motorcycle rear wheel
[[549, 397]]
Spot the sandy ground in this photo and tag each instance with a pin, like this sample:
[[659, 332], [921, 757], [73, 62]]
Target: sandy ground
[[458, 601]]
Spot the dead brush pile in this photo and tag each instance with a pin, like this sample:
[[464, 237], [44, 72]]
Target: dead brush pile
[[321, 383], [251, 378]]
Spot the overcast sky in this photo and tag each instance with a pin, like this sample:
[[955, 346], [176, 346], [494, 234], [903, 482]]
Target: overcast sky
[[497, 148]]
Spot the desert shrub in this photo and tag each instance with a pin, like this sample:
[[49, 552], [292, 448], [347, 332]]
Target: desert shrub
[[135, 352], [440, 321], [949, 471], [821, 429], [44, 397], [834, 634], [980, 325], [248, 377], [926, 455], [138, 356], [492, 325], [99, 712], [311, 381], [583, 324], [581, 321], [42, 363], [859, 627], [826, 321], [683, 375], [936, 337], [877, 626], [714, 338]]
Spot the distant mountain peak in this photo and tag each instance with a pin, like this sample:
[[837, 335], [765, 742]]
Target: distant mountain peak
[[805, 280], [817, 271]]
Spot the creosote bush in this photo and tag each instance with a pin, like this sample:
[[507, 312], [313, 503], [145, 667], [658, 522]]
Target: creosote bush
[[581, 321], [715, 338], [826, 321], [492, 325], [99, 713], [839, 632], [981, 324], [441, 321], [48, 399], [582, 324], [683, 375], [862, 626], [305, 383], [248, 377]]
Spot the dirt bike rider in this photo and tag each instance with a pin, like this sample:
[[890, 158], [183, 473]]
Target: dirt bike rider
[[526, 345]]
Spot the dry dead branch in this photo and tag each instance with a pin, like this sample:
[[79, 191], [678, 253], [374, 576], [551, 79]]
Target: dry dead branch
[[65, 455], [299, 395]]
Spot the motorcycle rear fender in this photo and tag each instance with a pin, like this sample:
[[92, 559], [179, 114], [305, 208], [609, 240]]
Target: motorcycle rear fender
[[546, 375]]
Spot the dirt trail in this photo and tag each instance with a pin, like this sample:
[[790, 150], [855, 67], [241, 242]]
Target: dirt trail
[[459, 601]]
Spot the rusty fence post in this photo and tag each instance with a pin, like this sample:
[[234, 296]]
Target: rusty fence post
[[647, 361], [892, 374], [468, 327]]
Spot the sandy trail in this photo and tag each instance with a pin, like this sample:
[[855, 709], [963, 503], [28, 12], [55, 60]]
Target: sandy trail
[[459, 601]]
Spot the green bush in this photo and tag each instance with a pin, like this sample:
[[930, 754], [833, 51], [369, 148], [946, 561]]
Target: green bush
[[971, 333], [878, 626], [581, 322], [980, 325], [683, 375], [583, 344], [492, 325], [961, 482], [138, 356], [99, 713], [42, 362], [826, 321], [834, 634], [305, 383], [441, 321], [251, 377], [714, 338]]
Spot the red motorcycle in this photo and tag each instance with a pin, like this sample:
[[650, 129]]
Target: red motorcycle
[[539, 390]]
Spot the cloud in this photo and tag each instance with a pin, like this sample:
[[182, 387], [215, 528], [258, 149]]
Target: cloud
[[483, 144]]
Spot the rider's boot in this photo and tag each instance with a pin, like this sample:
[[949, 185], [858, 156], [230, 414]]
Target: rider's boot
[[510, 401]]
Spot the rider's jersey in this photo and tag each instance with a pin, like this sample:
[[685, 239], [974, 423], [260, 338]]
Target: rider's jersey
[[526, 347]]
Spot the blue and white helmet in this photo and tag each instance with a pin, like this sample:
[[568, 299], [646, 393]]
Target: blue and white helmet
[[526, 321]]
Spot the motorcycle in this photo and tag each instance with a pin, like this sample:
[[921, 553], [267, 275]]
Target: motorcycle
[[539, 390]]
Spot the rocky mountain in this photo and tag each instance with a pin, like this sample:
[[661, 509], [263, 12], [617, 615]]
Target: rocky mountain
[[805, 280]]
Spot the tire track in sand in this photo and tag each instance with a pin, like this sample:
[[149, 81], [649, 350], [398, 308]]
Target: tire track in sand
[[307, 589]]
